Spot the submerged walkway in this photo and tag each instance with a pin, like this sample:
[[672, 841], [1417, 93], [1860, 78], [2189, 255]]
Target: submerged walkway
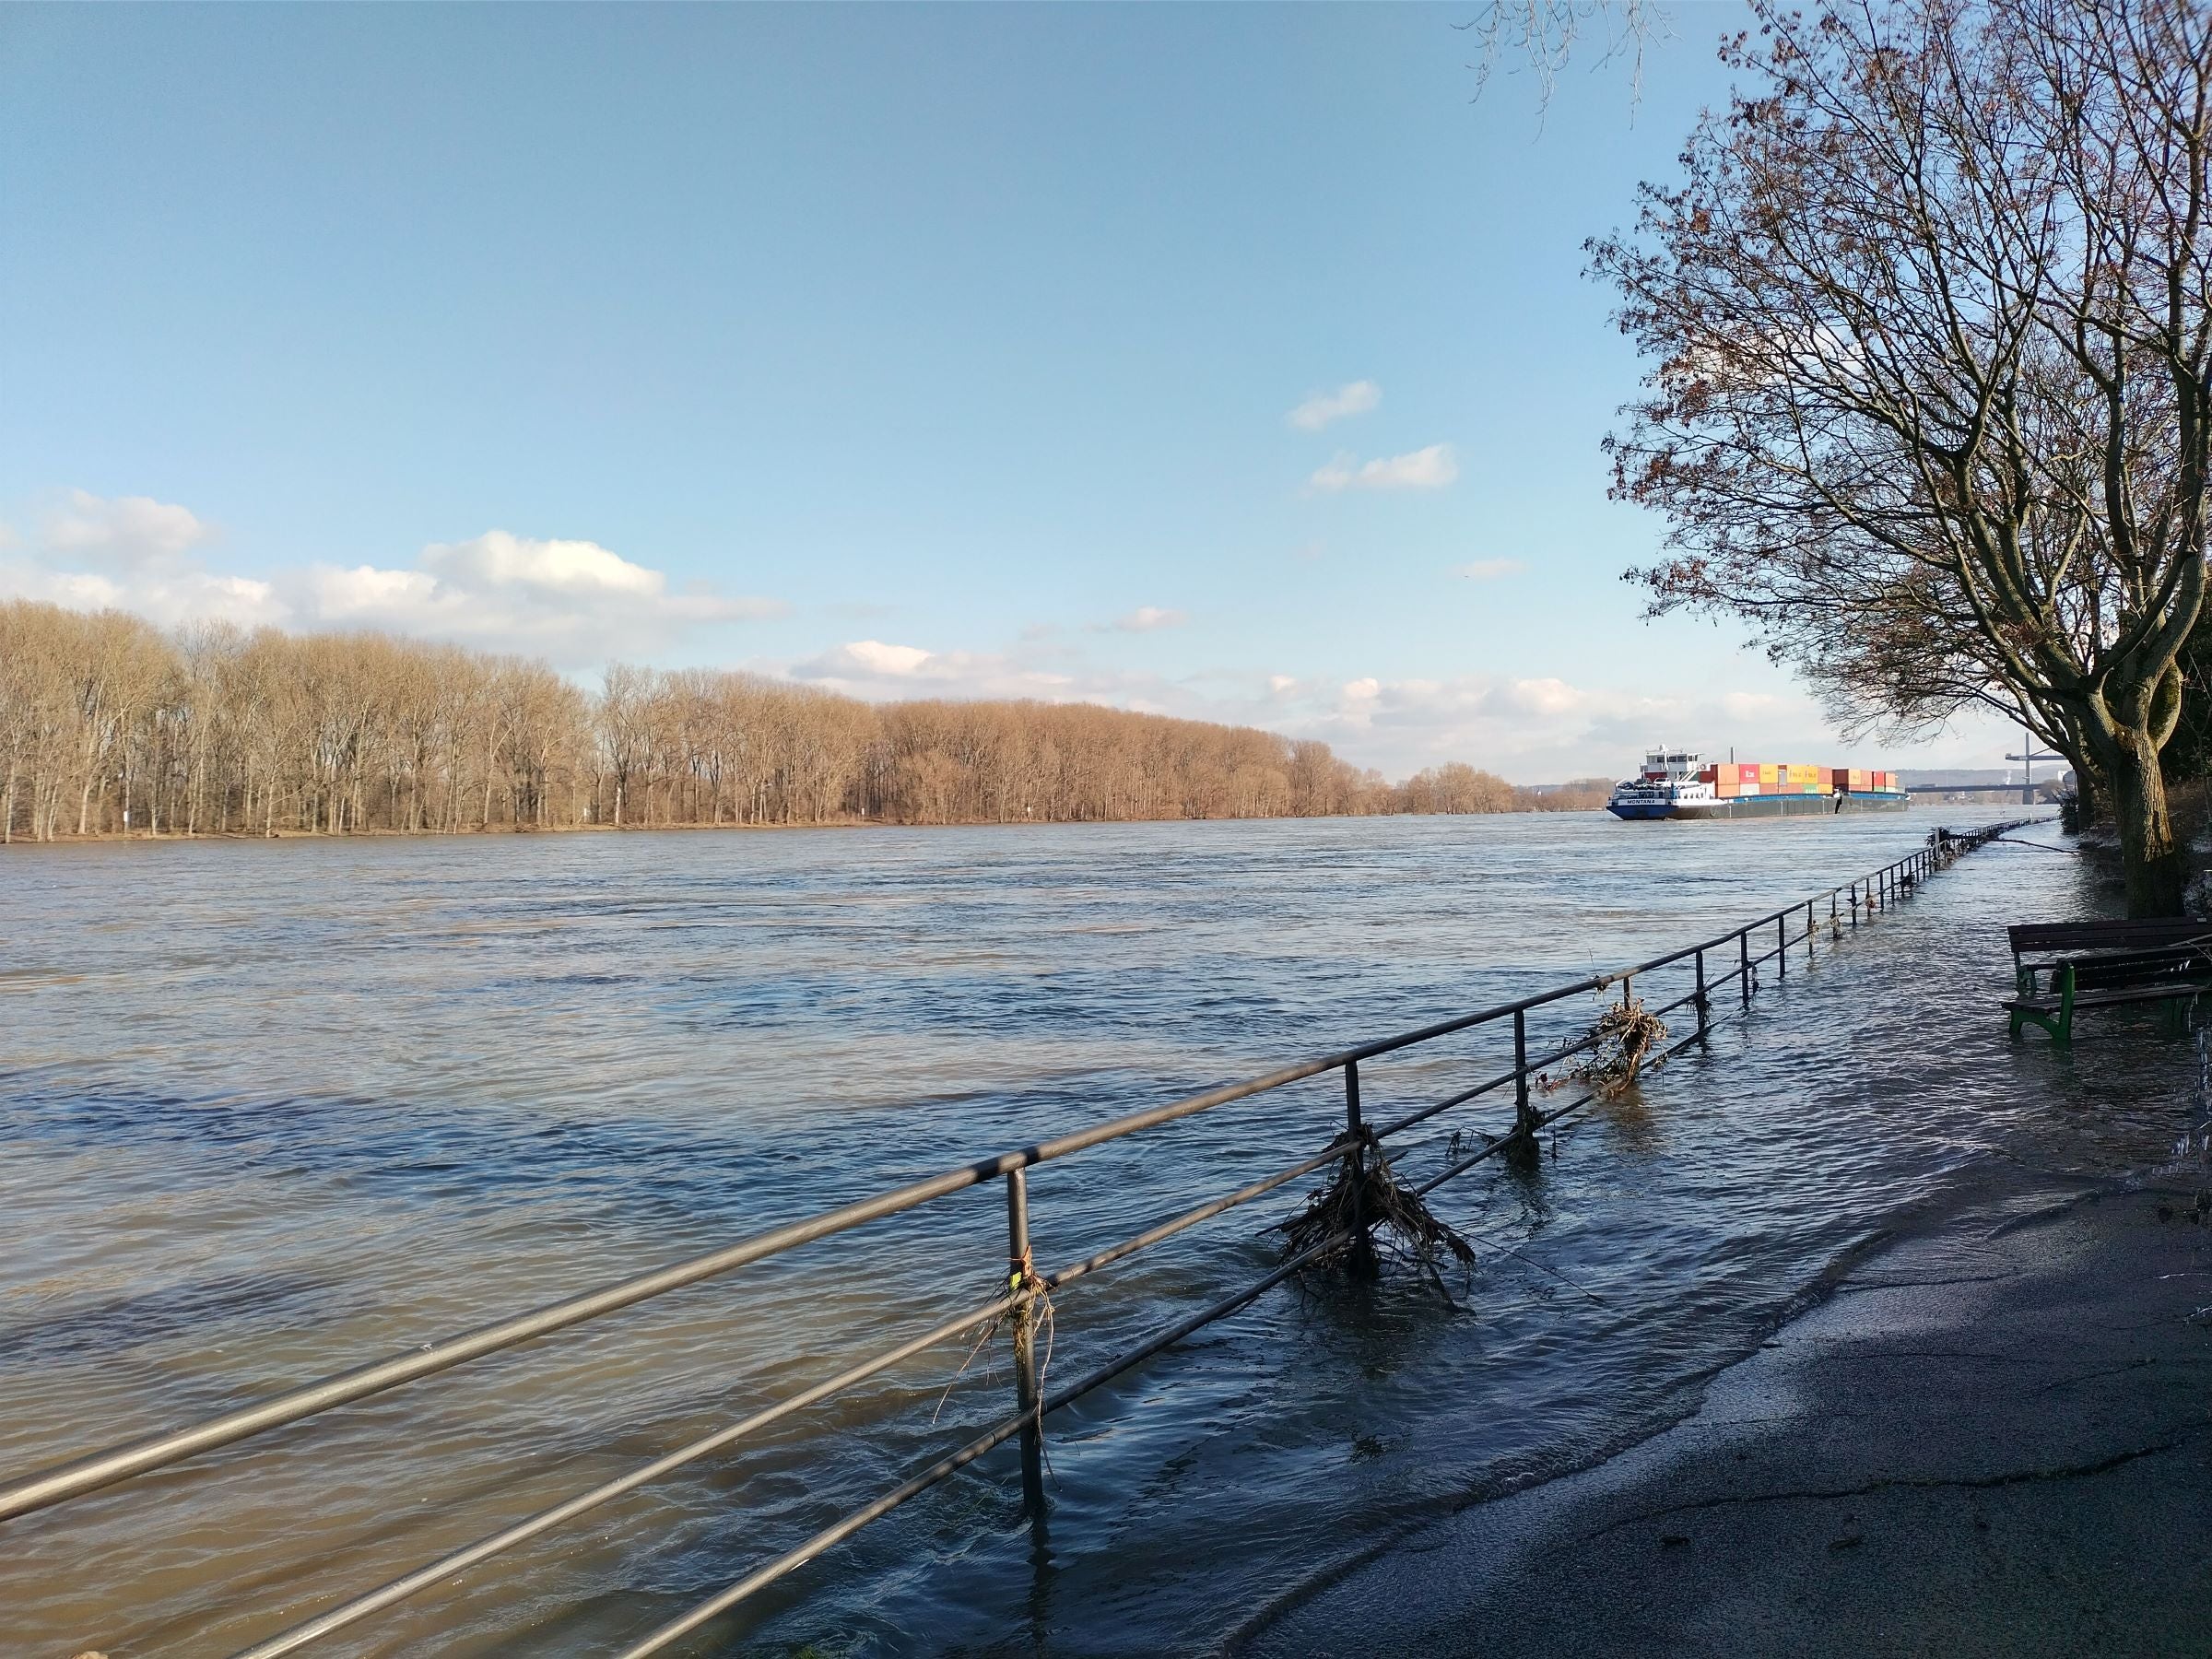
[[1993, 1438]]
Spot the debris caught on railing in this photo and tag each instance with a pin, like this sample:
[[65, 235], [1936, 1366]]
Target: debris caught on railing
[[1025, 1287], [1367, 1205], [1625, 1033]]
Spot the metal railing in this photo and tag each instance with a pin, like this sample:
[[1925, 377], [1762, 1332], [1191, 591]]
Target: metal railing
[[1849, 905]]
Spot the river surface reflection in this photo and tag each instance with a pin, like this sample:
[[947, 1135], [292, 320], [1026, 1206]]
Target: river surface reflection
[[271, 1110]]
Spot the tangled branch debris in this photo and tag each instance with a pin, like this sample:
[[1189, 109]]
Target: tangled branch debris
[[1624, 1035], [1023, 1280], [1366, 1206]]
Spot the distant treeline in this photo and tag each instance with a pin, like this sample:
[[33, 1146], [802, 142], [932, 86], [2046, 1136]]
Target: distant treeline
[[214, 731]]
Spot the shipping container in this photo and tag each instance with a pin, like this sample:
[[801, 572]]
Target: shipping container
[[1756, 789]]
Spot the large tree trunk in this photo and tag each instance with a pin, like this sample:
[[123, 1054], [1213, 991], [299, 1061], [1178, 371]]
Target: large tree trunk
[[2150, 860]]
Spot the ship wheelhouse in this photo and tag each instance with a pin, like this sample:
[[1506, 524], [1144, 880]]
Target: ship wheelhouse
[[1672, 766]]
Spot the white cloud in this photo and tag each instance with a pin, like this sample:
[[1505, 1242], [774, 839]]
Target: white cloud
[[575, 602], [367, 593], [871, 657], [127, 530], [873, 670], [1429, 469], [498, 560], [1489, 570], [1354, 397], [1148, 618], [168, 597]]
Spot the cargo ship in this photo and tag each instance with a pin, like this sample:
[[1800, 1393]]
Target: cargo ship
[[1675, 783]]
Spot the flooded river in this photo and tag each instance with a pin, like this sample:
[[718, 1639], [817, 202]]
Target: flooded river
[[271, 1110]]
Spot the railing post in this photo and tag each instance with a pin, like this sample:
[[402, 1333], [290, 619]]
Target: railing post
[[1524, 1111], [1355, 1140], [1020, 1280], [1854, 904], [1702, 1004], [1743, 964], [1811, 926], [1782, 947]]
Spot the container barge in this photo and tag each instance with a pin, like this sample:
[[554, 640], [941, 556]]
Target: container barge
[[1675, 783]]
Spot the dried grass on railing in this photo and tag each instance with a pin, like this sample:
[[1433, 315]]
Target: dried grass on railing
[[1622, 1039], [1371, 1213], [1024, 1278]]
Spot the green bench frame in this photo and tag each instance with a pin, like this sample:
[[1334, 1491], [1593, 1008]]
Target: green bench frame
[[2105, 964]]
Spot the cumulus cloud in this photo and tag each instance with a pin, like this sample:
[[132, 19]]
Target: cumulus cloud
[[498, 560], [868, 657], [132, 553], [875, 669], [1489, 570], [573, 601], [1354, 397], [170, 597], [127, 530], [1429, 469]]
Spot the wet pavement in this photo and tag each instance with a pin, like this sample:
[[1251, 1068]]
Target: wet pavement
[[1992, 1438]]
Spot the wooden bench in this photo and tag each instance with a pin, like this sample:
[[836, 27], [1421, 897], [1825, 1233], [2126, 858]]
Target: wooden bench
[[2103, 964]]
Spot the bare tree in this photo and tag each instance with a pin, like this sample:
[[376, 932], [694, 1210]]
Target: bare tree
[[1544, 36], [1931, 318], [212, 730]]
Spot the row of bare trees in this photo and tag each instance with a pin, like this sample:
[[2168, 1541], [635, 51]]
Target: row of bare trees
[[108, 724]]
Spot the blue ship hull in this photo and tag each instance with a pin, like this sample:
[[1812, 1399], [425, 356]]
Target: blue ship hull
[[1773, 805]]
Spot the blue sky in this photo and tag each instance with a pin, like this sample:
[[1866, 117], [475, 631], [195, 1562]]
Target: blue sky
[[913, 351]]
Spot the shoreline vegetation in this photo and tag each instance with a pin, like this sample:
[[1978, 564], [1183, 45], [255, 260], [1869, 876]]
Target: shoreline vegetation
[[112, 728]]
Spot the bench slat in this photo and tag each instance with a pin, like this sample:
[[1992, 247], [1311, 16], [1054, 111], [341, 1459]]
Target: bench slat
[[2094, 999], [2040, 936]]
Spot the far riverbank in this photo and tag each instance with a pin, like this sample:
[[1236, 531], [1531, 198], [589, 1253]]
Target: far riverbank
[[499, 830]]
